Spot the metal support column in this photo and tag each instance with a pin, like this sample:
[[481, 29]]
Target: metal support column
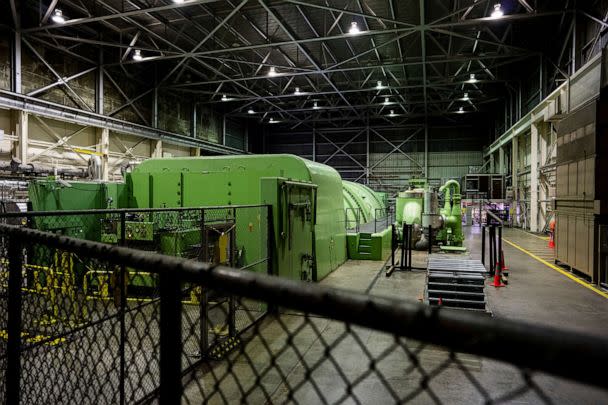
[[22, 131], [514, 175], [193, 126], [534, 174], [103, 142], [158, 148], [16, 63], [367, 150], [99, 85], [501, 160], [155, 100], [314, 143]]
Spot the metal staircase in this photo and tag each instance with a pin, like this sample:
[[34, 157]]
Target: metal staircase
[[456, 283], [365, 244]]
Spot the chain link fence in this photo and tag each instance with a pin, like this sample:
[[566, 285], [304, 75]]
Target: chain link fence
[[70, 344]]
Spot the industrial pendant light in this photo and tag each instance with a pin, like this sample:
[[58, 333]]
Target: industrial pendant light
[[497, 13], [354, 28], [58, 16], [137, 56]]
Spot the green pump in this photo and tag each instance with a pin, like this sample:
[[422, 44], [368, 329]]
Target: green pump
[[451, 233]]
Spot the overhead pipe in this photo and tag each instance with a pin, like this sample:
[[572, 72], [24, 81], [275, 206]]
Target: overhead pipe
[[15, 166]]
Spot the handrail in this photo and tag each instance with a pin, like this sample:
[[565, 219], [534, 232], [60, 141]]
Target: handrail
[[494, 217], [559, 352], [121, 210]]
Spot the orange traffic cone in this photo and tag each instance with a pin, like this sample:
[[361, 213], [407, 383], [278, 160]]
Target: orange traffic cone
[[551, 241], [497, 277], [502, 262]]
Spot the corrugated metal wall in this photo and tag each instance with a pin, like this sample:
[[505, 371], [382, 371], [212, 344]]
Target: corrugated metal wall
[[393, 155]]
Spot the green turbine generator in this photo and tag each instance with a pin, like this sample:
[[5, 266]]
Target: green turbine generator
[[309, 236]]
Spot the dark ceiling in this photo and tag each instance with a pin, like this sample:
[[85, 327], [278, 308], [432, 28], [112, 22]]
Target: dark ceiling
[[423, 52]]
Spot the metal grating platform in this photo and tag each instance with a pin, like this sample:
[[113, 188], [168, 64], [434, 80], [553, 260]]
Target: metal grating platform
[[456, 283]]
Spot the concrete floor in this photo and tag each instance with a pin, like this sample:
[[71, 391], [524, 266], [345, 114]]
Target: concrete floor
[[323, 356]]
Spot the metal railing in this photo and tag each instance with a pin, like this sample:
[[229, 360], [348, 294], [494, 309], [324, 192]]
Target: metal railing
[[352, 219], [383, 218], [323, 346], [494, 227]]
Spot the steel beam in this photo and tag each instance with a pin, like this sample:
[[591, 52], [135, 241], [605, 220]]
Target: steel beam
[[291, 36], [20, 102], [131, 13]]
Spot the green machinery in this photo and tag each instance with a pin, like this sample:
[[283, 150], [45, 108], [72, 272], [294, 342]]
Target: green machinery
[[419, 206], [451, 233], [308, 239], [363, 207], [361, 204]]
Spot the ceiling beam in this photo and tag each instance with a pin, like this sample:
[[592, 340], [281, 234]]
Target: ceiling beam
[[130, 13]]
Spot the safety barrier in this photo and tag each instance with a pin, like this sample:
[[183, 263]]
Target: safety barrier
[[352, 219], [494, 227], [322, 346]]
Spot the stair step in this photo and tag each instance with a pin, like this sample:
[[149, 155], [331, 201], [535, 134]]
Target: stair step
[[456, 279], [453, 286], [364, 253], [447, 292], [458, 303]]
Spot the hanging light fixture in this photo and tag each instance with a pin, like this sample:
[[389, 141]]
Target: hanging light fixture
[[472, 78], [224, 98], [460, 110], [250, 111], [387, 101], [271, 120], [297, 92], [379, 85], [315, 106], [272, 72], [497, 13], [58, 17], [465, 97], [392, 114], [178, 1], [137, 56], [354, 28]]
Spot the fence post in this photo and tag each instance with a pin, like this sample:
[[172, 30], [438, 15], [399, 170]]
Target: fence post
[[203, 314], [409, 246], [13, 346], [375, 219], [122, 280], [483, 244], [492, 242], [269, 239], [170, 338], [499, 254], [393, 245]]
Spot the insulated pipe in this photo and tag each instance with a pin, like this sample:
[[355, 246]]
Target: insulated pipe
[[15, 166]]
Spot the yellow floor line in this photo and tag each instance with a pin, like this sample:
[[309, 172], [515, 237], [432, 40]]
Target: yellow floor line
[[531, 234], [559, 270]]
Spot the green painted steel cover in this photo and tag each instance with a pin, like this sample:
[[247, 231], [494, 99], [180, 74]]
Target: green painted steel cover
[[235, 180]]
